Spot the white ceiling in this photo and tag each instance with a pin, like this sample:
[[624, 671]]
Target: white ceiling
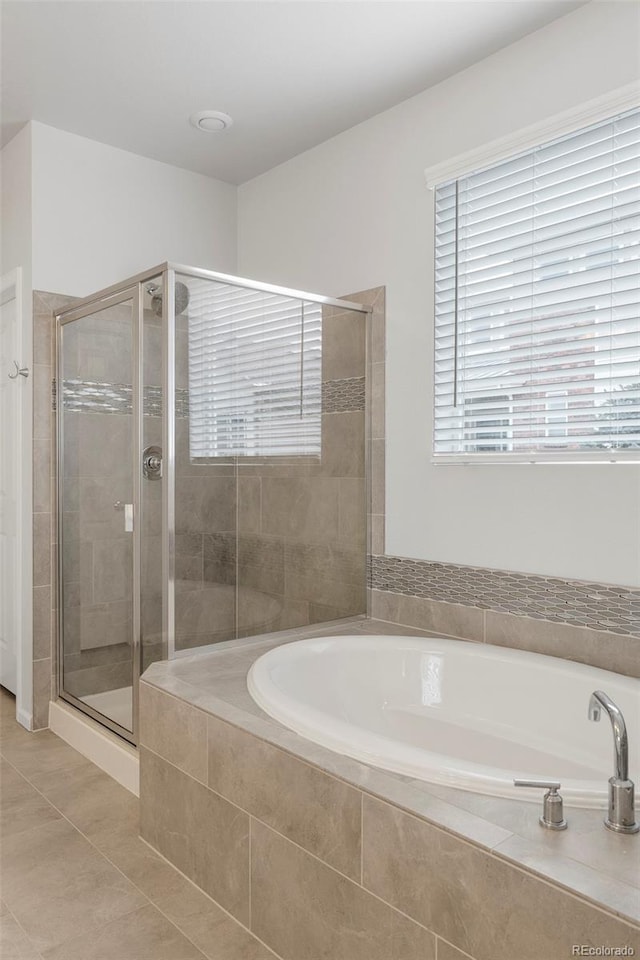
[[291, 74]]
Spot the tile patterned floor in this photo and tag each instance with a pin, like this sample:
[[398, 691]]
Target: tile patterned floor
[[76, 882]]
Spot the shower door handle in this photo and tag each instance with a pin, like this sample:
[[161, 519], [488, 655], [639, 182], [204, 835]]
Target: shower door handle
[[128, 514]]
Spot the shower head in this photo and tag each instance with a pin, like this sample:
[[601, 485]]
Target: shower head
[[181, 298]]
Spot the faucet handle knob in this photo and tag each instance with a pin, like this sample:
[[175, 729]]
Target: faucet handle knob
[[552, 816], [551, 785]]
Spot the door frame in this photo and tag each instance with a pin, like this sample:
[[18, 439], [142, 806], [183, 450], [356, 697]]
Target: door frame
[[12, 288], [133, 294]]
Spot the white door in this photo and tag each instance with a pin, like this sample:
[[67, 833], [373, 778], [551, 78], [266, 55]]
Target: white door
[[11, 386]]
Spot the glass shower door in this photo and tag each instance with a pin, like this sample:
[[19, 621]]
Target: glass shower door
[[98, 486]]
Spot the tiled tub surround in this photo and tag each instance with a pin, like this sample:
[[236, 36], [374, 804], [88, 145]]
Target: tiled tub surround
[[324, 857]]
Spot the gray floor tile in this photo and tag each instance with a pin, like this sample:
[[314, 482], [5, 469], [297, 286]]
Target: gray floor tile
[[14, 943], [24, 812], [36, 753], [57, 884], [143, 935], [94, 803], [10, 729], [7, 704], [14, 785]]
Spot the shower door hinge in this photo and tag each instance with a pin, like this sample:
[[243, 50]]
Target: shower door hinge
[[54, 391]]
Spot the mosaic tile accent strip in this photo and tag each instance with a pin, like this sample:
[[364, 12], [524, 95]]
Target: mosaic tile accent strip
[[87, 396], [580, 603], [343, 396]]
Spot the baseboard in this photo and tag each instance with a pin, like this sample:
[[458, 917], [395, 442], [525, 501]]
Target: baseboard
[[24, 718], [105, 749]]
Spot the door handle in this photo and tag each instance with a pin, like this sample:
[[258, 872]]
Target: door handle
[[128, 514]]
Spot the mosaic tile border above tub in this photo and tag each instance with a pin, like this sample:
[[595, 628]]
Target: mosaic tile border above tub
[[343, 396], [576, 602]]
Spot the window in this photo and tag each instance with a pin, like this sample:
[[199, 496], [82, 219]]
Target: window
[[254, 373], [537, 303]]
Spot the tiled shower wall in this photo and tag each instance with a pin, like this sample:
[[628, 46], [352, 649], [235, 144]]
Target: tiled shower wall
[[270, 543], [302, 533]]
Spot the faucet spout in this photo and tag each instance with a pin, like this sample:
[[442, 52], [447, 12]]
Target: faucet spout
[[599, 700], [621, 817]]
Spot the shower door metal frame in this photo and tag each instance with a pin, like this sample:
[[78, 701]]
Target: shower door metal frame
[[160, 269], [133, 288], [169, 273], [169, 461], [92, 307]]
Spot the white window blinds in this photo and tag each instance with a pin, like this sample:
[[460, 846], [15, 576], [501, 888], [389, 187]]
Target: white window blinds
[[254, 373], [537, 303]]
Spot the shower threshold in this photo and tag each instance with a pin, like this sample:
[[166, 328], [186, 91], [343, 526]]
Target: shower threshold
[[117, 705]]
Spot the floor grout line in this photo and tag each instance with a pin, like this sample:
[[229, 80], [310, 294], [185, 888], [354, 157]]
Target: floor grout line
[[250, 924], [362, 838], [21, 928]]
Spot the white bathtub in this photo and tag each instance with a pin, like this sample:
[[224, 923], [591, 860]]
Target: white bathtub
[[463, 714]]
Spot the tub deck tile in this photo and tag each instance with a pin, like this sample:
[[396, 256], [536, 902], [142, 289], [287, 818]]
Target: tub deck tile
[[486, 822]]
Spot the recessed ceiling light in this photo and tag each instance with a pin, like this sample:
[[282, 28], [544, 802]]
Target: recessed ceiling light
[[210, 121]]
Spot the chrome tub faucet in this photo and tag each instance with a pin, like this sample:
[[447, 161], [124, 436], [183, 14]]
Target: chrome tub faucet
[[621, 816]]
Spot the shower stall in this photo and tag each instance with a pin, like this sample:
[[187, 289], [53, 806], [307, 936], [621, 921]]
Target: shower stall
[[211, 473]]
